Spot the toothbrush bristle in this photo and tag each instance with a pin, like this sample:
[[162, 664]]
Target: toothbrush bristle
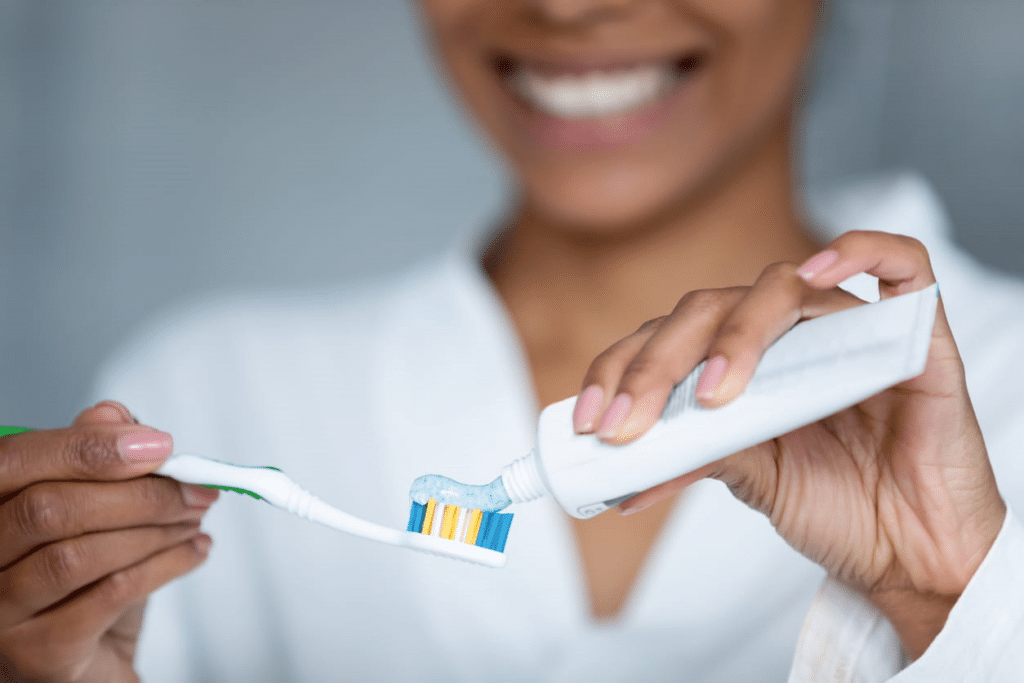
[[481, 528], [416, 517], [448, 523], [473, 531]]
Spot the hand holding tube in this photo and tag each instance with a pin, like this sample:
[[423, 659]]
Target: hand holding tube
[[893, 496]]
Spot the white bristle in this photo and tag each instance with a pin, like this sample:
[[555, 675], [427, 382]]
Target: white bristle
[[438, 521], [462, 525]]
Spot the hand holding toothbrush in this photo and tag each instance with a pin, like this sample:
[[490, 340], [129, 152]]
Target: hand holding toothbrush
[[894, 496], [85, 536]]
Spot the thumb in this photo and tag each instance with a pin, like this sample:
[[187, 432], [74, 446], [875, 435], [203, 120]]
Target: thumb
[[752, 475]]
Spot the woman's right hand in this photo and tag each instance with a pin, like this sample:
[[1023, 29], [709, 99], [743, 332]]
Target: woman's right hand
[[85, 537]]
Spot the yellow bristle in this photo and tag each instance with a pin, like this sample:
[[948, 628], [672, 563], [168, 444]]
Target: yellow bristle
[[428, 516], [451, 513], [474, 526]]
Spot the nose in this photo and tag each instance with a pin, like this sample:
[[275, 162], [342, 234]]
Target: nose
[[580, 11]]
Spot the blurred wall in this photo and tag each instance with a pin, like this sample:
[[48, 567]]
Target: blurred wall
[[150, 152], [171, 148], [954, 107]]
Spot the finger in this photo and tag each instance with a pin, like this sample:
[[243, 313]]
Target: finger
[[750, 474], [94, 610], [50, 511], [649, 497], [79, 622], [900, 263], [105, 412], [777, 301], [603, 376], [665, 359], [55, 571], [97, 452]]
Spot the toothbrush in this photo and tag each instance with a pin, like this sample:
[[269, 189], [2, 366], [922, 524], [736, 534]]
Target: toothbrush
[[273, 486]]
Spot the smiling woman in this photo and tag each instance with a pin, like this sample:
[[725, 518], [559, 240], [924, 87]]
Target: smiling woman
[[654, 224]]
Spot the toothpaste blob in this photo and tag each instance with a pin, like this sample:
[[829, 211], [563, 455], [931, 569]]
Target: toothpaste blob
[[488, 497]]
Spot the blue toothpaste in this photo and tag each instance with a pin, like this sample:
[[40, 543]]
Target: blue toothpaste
[[489, 497]]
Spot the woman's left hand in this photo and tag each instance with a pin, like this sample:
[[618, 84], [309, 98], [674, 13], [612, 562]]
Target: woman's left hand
[[894, 496]]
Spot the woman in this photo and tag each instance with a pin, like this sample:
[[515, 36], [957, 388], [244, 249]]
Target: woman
[[656, 225]]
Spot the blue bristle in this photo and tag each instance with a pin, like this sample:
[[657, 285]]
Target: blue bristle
[[416, 515], [500, 538], [494, 528], [486, 523], [494, 531]]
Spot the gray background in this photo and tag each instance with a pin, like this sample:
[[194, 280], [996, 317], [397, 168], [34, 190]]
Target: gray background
[[154, 151]]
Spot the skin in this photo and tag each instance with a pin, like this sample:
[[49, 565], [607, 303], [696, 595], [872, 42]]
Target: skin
[[605, 239], [85, 536], [601, 241]]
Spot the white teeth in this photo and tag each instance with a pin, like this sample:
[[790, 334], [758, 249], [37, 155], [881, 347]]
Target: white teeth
[[596, 93]]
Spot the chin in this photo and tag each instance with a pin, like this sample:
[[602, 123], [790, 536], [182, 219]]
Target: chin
[[618, 201]]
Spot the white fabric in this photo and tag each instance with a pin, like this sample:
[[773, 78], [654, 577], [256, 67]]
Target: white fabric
[[355, 394], [845, 640]]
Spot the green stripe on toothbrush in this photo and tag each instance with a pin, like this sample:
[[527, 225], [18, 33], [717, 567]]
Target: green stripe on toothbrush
[[236, 490], [7, 431]]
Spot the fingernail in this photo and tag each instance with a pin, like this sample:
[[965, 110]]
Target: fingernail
[[711, 377], [119, 408], [643, 414], [145, 446], [198, 496], [202, 543], [634, 509], [817, 264], [613, 417], [587, 406]]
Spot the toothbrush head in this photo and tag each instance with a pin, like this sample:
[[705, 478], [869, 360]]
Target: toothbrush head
[[468, 516]]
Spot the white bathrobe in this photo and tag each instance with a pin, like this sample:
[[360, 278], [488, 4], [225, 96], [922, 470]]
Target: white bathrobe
[[355, 392]]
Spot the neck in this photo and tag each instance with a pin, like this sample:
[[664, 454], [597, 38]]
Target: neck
[[590, 289]]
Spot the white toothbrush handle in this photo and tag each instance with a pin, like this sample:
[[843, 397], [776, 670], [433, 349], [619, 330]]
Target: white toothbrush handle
[[276, 488]]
